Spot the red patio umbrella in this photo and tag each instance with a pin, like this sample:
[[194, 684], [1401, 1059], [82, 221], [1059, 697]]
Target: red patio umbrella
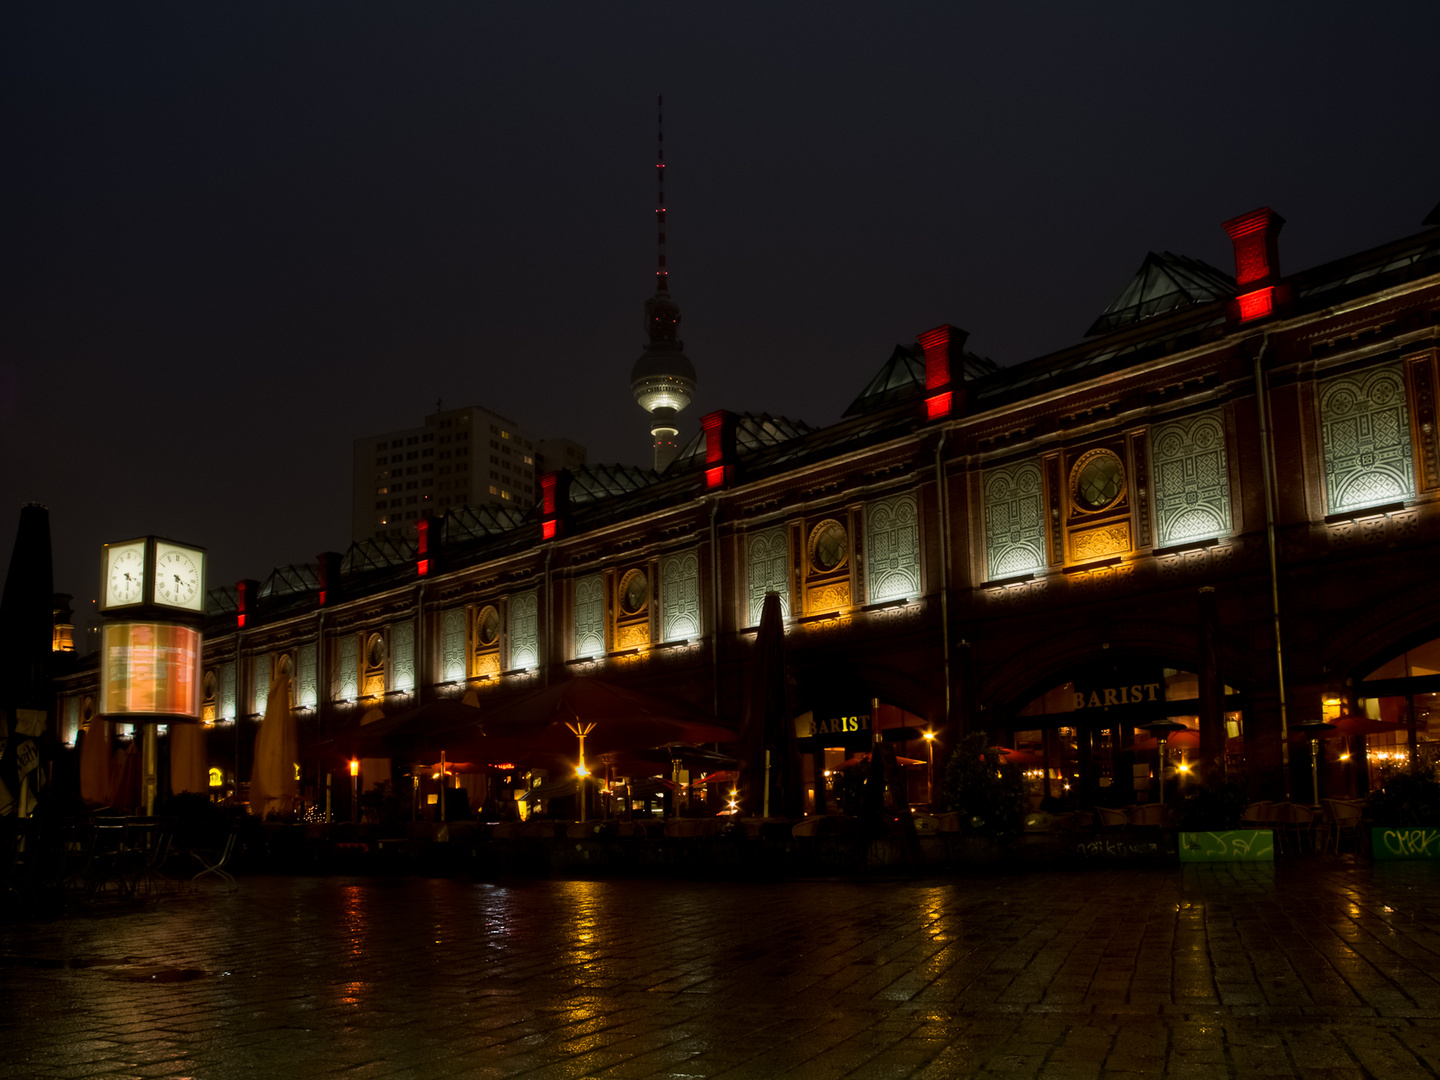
[[1349, 726], [1189, 739], [615, 720], [1020, 757]]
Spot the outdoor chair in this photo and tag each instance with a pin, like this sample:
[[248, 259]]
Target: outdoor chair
[[1297, 826], [1256, 815], [1112, 818], [212, 862], [1344, 818], [1149, 815]]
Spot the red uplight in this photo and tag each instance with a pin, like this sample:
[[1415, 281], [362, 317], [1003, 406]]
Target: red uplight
[[937, 406], [424, 567], [1257, 304], [240, 619], [547, 530], [715, 477], [322, 597]]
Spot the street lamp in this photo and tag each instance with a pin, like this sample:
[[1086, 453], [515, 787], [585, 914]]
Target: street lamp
[[354, 789], [1162, 729], [929, 737]]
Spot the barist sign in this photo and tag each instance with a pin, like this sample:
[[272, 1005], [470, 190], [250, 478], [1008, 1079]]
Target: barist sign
[[1105, 697]]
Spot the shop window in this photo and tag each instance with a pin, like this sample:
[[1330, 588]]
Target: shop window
[[1014, 520], [1365, 435], [892, 549], [1192, 480]]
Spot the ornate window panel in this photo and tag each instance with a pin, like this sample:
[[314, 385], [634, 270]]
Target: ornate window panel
[[892, 549], [348, 685], [680, 597], [1014, 520], [1192, 481], [228, 710], [72, 720], [590, 616], [1365, 432], [767, 570], [307, 681], [260, 683], [452, 645], [402, 657], [524, 631]]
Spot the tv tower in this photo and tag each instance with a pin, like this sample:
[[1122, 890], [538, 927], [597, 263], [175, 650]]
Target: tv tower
[[663, 379]]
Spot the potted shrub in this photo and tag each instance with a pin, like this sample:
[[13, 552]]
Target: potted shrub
[[1210, 818], [1405, 817], [981, 795]]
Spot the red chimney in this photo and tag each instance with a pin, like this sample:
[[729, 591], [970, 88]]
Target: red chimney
[[944, 349], [555, 504], [422, 544], [1256, 237], [327, 570], [247, 600], [720, 450]]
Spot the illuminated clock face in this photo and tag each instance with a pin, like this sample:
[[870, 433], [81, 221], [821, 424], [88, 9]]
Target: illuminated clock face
[[124, 574], [179, 576]]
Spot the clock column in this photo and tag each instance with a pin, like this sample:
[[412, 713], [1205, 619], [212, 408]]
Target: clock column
[[153, 601]]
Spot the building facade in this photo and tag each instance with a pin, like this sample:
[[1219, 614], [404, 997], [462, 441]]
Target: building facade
[[1221, 508], [458, 457]]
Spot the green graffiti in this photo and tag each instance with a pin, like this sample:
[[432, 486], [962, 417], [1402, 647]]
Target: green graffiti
[[1408, 844], [1252, 845]]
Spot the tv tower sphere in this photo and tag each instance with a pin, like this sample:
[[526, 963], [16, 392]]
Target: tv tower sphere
[[663, 379]]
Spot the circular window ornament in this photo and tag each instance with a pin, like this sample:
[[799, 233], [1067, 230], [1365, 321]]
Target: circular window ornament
[[375, 650], [829, 546], [487, 626], [208, 687], [634, 592], [1097, 482]]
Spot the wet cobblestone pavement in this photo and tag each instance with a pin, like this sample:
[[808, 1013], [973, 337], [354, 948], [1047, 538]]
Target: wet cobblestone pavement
[[1320, 969]]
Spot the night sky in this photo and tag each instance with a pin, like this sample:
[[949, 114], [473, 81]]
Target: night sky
[[239, 236]]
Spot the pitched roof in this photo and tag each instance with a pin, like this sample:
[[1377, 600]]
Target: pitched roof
[[753, 433], [1164, 283], [594, 482], [462, 524], [903, 377]]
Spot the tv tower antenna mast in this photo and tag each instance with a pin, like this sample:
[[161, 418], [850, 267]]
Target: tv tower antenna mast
[[663, 379]]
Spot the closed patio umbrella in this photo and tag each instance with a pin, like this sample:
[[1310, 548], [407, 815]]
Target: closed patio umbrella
[[274, 787], [770, 786], [97, 784]]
